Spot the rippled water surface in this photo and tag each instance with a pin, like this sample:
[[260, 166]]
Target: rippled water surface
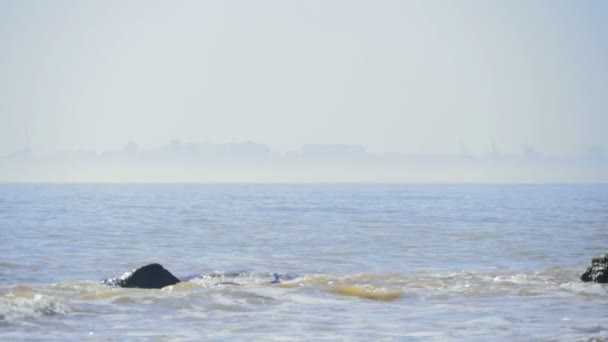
[[373, 262]]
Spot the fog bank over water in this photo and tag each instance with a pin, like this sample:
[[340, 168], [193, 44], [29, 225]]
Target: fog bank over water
[[414, 78], [250, 162]]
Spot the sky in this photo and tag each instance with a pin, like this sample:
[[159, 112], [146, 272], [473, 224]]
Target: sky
[[408, 77]]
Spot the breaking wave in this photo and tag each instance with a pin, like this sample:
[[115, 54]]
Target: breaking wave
[[23, 303]]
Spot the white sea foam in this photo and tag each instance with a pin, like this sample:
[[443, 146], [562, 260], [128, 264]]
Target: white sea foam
[[14, 308]]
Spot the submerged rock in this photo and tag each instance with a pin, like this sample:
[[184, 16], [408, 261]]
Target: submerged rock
[[598, 271], [152, 276]]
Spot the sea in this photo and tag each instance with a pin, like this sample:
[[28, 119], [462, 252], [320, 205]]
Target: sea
[[358, 262]]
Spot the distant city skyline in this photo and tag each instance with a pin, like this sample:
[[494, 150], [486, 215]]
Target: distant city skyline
[[493, 149], [248, 162]]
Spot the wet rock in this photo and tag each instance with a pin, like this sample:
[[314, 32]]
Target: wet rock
[[598, 271], [152, 276]]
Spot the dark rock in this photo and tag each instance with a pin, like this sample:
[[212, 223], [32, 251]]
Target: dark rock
[[152, 276], [598, 271]]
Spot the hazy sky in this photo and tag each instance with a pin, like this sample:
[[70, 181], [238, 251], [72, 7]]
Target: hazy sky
[[393, 76]]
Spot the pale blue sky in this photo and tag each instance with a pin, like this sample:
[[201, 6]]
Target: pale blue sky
[[393, 76]]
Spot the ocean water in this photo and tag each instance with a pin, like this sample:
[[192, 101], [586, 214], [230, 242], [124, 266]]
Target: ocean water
[[373, 262]]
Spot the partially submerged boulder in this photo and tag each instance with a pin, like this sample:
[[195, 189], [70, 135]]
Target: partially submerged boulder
[[152, 276], [598, 271]]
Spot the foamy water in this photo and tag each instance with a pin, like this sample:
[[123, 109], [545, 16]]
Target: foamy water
[[361, 262]]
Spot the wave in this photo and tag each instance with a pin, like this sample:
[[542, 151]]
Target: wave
[[22, 303], [466, 283], [395, 286]]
